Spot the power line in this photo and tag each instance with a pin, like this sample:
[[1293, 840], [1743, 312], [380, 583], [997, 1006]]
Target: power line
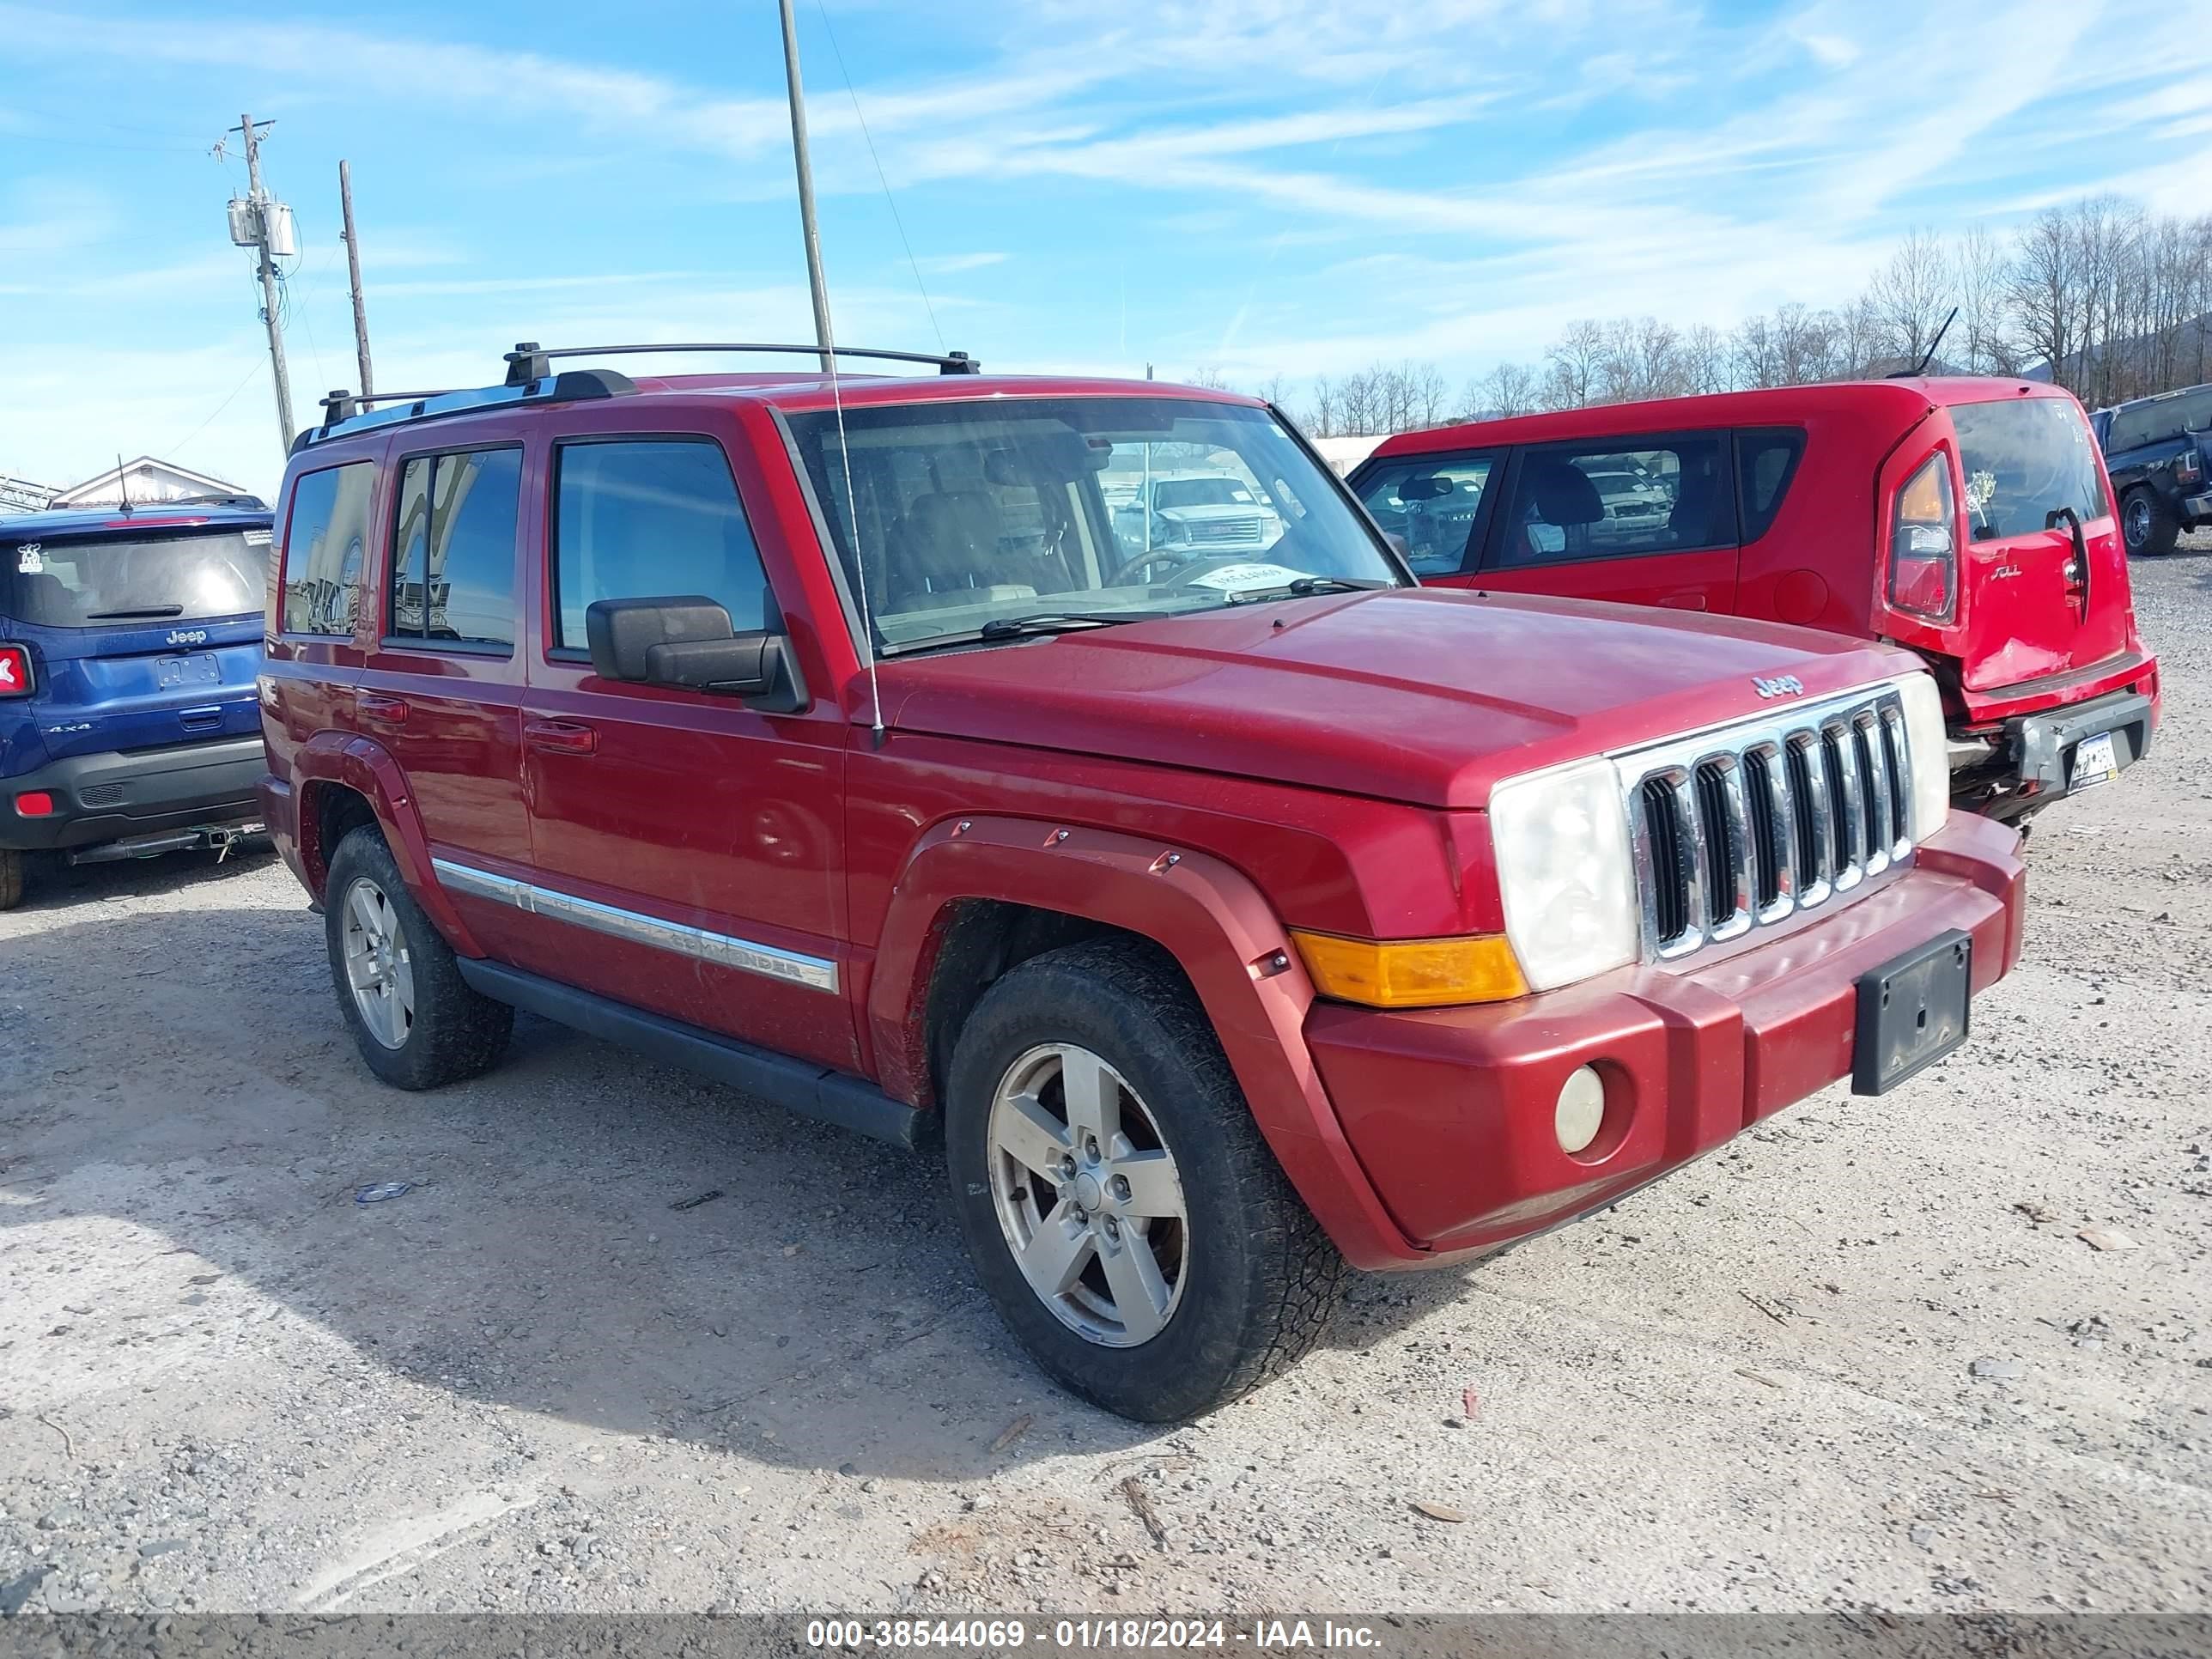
[[252, 370], [890, 200]]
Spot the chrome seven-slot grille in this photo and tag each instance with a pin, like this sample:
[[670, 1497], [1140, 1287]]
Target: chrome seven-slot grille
[[1223, 532], [1742, 826]]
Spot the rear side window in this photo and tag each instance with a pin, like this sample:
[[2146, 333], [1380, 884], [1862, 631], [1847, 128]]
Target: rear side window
[[1433, 502], [1622, 500], [2027, 460], [114, 582], [452, 559], [323, 547], [1765, 462], [651, 520]]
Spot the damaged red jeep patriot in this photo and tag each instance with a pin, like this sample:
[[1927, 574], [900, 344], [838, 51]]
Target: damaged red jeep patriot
[[1232, 907]]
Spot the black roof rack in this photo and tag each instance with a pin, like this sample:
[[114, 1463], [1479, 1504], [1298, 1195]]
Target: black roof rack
[[343, 412], [530, 379], [531, 361]]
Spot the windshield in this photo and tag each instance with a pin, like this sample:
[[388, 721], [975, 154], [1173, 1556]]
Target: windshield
[[111, 582], [972, 513]]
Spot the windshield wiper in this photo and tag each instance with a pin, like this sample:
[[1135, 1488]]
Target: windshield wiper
[[1303, 587], [131, 616], [1055, 621]]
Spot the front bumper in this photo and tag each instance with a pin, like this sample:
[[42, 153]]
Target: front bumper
[[121, 797], [1450, 1112]]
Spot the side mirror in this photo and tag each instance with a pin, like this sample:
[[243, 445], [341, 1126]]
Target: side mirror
[[686, 642]]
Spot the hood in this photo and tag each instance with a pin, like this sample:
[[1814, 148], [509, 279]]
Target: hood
[[1423, 696]]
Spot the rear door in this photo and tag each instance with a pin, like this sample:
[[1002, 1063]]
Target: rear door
[[442, 685], [143, 635], [2045, 569], [1639, 521]]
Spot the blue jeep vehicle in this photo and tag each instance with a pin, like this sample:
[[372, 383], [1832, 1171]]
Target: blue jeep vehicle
[[130, 644], [2159, 451]]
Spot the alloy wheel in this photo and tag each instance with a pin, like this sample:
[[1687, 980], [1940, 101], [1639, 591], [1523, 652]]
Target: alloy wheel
[[378, 968], [1088, 1195]]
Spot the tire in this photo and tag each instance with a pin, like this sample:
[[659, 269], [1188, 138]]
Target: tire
[[417, 1023], [1248, 1277], [2150, 529], [11, 877]]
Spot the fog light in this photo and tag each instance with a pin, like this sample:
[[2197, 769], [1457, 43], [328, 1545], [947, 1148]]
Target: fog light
[[1582, 1108]]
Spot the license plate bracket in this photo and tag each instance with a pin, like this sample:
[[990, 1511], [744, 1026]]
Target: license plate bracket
[[1912, 1011], [2095, 762]]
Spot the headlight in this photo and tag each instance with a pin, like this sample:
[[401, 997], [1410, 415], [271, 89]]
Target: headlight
[[1931, 754], [1564, 872]]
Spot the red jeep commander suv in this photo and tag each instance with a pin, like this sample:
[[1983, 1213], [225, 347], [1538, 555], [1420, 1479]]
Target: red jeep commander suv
[[1969, 519], [1231, 906]]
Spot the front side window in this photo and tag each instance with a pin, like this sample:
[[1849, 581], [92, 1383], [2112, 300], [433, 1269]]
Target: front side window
[[323, 547], [1632, 497], [651, 518], [453, 558], [962, 519], [2028, 462], [1432, 503], [112, 581]]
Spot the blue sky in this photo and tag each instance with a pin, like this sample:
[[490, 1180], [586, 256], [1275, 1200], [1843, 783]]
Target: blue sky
[[1262, 185]]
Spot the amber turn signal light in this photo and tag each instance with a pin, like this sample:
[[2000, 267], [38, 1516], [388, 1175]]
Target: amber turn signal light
[[1412, 973]]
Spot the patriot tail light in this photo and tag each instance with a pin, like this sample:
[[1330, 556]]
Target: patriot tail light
[[15, 671], [1923, 545]]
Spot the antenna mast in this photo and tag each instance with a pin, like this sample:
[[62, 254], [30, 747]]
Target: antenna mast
[[808, 233]]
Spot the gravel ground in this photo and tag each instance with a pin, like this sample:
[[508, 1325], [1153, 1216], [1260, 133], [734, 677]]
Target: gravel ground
[[1863, 1358]]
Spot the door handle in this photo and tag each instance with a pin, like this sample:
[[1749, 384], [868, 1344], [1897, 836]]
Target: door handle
[[1692, 600], [380, 710], [561, 737]]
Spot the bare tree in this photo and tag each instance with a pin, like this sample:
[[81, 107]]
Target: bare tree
[[1508, 389], [1705, 363], [1978, 277], [1575, 364], [1912, 292], [2044, 288], [1325, 414], [2115, 301]]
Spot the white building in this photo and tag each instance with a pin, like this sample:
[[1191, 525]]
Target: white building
[[1344, 453], [143, 481]]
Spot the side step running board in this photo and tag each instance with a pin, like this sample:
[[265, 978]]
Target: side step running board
[[812, 1090]]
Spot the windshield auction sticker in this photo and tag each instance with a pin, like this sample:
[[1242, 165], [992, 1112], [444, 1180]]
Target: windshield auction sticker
[[1234, 578]]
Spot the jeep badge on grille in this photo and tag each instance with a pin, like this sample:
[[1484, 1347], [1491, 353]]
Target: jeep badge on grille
[[1786, 685]]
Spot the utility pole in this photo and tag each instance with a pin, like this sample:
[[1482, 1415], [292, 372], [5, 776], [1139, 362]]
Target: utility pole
[[353, 271], [268, 264], [813, 236]]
